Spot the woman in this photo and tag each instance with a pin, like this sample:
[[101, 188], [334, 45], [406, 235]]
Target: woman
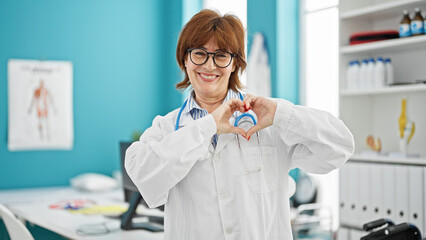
[[191, 160]]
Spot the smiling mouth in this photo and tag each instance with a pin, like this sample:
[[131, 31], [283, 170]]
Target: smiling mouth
[[208, 77]]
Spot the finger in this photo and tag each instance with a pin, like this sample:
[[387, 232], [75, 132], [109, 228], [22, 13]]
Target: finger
[[238, 130], [252, 130], [232, 102], [229, 107], [248, 100], [236, 105]]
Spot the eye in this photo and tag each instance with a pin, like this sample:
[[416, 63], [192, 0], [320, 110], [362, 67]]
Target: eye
[[199, 53], [222, 54]]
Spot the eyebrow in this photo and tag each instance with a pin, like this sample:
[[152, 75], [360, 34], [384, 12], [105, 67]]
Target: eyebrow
[[218, 49]]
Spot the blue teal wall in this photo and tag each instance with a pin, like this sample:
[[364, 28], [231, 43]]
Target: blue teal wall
[[278, 20], [119, 59], [171, 24], [176, 14], [123, 53]]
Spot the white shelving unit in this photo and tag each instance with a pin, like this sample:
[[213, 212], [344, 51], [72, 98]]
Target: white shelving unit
[[375, 112], [380, 10], [389, 160], [398, 44], [386, 90]]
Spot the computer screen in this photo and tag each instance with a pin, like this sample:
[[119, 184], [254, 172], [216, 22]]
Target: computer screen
[[134, 198], [128, 186]]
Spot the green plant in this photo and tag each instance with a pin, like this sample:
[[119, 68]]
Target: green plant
[[136, 135]]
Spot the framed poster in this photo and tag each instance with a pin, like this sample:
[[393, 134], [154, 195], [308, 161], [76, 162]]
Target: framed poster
[[40, 105]]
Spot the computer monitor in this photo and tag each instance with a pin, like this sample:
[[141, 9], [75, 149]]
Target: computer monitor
[[132, 195]]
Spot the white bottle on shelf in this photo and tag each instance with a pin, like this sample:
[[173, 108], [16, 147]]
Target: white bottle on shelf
[[363, 74], [379, 73], [349, 76], [389, 72], [355, 74], [370, 74]]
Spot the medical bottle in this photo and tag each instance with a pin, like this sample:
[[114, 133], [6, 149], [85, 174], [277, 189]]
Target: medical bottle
[[379, 73], [417, 23], [389, 72], [370, 74], [355, 74], [349, 78], [404, 26], [424, 25], [363, 74]]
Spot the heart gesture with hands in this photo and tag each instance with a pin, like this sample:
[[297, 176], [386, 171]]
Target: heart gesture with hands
[[222, 114], [263, 107], [265, 110]]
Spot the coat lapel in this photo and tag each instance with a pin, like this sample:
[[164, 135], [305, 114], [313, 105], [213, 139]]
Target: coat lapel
[[223, 140], [185, 119], [226, 138]]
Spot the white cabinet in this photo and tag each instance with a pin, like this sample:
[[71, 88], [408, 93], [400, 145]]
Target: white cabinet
[[372, 190], [376, 111]]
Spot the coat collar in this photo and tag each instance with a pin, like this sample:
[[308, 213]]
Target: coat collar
[[191, 103]]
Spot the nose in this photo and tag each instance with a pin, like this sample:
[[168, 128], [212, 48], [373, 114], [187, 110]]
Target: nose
[[210, 63]]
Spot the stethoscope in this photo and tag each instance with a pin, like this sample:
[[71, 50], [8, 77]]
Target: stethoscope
[[236, 124]]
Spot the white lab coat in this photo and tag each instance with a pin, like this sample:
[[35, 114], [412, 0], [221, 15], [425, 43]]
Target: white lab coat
[[258, 68], [208, 194]]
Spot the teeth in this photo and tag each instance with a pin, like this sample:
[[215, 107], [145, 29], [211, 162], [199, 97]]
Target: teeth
[[208, 77]]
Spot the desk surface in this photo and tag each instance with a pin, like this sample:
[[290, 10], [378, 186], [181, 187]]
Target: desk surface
[[33, 205]]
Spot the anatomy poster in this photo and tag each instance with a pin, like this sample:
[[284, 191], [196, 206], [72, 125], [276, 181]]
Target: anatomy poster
[[40, 105]]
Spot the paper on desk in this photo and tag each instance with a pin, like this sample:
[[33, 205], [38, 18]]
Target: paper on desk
[[108, 210]]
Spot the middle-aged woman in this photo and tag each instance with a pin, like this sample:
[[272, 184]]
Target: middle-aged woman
[[195, 161]]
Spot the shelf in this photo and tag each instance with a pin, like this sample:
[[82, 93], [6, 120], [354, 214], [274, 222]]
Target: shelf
[[387, 9], [374, 159], [392, 44], [385, 90]]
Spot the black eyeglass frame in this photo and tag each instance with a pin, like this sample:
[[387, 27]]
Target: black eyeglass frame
[[210, 53]]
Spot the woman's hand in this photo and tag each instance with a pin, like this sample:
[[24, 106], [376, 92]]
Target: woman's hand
[[265, 110], [222, 114]]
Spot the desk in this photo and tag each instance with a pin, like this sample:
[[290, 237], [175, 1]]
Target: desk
[[32, 205]]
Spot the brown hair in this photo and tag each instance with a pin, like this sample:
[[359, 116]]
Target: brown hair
[[228, 33]]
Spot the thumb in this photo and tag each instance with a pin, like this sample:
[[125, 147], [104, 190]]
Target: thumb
[[252, 130], [238, 130]]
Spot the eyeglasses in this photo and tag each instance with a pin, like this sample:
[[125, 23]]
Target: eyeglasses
[[97, 229], [221, 58]]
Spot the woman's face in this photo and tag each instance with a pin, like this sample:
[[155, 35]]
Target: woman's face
[[208, 80]]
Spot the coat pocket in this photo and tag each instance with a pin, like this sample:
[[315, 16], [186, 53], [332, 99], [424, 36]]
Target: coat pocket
[[261, 169]]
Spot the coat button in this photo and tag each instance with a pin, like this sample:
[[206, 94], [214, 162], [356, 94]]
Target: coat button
[[229, 230], [223, 194]]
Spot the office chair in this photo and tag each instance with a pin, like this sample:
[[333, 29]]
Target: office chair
[[385, 229], [15, 228]]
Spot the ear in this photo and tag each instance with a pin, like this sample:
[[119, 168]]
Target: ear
[[233, 66]]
